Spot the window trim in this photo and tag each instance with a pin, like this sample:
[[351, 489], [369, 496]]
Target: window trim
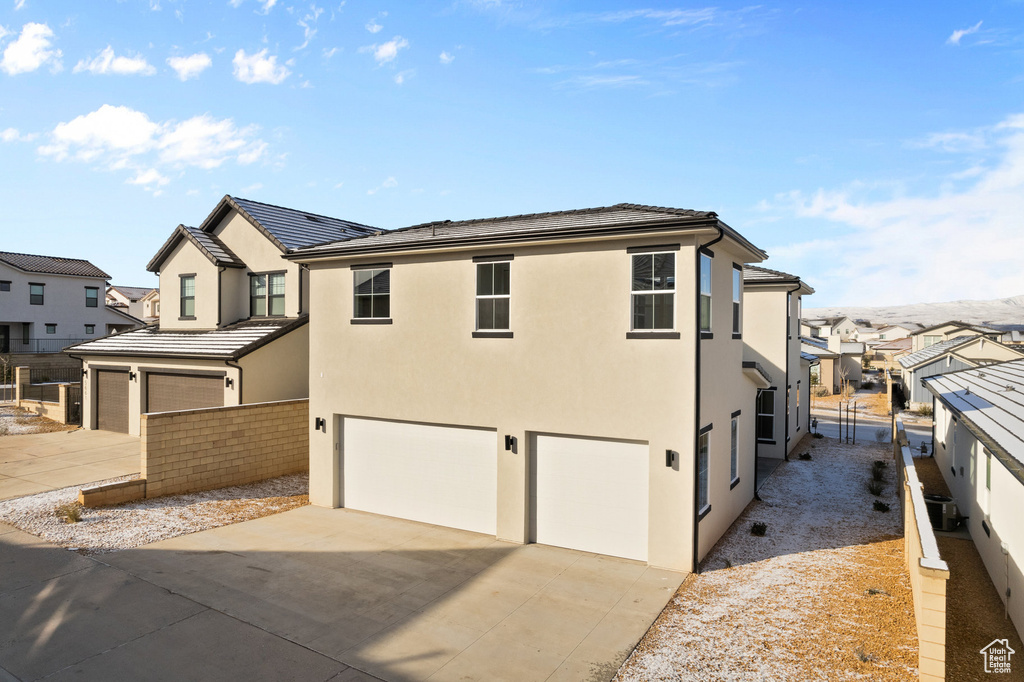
[[382, 319], [653, 332], [706, 258], [47, 325], [734, 451], [182, 299], [703, 485], [94, 302], [267, 296], [90, 329], [490, 262], [759, 414], [41, 295], [737, 301]]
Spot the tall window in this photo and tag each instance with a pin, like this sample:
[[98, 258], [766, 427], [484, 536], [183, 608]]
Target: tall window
[[737, 297], [266, 294], [188, 295], [653, 290], [372, 289], [798, 406], [789, 316], [92, 297], [766, 414], [705, 292], [734, 446], [492, 295], [702, 471], [35, 294]]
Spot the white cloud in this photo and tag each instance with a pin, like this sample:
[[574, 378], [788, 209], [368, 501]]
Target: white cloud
[[308, 24], [954, 39], [149, 179], [18, 4], [120, 138], [447, 58], [386, 52], [14, 135], [401, 76], [373, 27], [259, 68], [960, 240], [330, 53], [387, 184], [265, 5], [252, 188], [31, 50], [673, 17], [107, 62], [191, 66]]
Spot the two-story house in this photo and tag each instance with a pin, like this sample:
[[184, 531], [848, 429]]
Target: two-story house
[[957, 352], [574, 378], [139, 302], [772, 303], [48, 303], [929, 336], [233, 327]]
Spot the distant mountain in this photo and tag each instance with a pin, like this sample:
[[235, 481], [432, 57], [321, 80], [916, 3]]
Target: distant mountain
[[1003, 311]]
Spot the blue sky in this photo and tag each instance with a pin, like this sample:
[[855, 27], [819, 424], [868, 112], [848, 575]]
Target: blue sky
[[875, 149]]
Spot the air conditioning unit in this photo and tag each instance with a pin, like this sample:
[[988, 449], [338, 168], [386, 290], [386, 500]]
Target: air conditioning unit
[[942, 512]]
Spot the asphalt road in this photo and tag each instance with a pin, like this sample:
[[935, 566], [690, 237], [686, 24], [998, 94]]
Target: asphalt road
[[866, 430]]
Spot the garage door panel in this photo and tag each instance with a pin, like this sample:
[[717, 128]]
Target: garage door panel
[[172, 392], [112, 401], [435, 474], [590, 495]]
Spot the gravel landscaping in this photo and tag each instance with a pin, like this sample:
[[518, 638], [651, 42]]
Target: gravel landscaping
[[823, 595], [16, 421], [108, 529]]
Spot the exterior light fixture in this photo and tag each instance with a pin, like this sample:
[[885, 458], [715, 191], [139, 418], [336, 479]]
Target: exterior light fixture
[[229, 382], [320, 424], [671, 457], [131, 376], [510, 443]]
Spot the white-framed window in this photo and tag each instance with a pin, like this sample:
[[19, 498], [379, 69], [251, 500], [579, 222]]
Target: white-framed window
[[266, 294], [493, 296], [734, 450], [188, 295], [737, 297], [930, 340], [766, 414], [653, 290], [705, 292], [703, 449], [372, 293]]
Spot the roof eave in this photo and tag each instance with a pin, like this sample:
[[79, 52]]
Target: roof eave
[[270, 338], [227, 204]]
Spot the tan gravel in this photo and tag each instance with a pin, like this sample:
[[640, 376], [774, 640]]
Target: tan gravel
[[824, 595], [133, 524], [17, 421]]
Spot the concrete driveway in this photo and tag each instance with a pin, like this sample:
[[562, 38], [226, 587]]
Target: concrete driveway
[[392, 599], [35, 463]]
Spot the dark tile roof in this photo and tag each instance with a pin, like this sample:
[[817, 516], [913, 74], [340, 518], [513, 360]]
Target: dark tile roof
[[52, 265], [133, 293], [934, 351], [287, 227], [753, 274], [209, 245], [229, 342], [574, 223]]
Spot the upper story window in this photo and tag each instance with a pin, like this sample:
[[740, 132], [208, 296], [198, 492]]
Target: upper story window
[[653, 290], [705, 292], [737, 297], [766, 414], [266, 294], [35, 293], [188, 295], [5, 286], [930, 340], [92, 297], [371, 288], [493, 295], [789, 316]]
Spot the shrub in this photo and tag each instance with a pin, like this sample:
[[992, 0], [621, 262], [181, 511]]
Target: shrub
[[758, 528], [876, 487], [805, 456], [821, 391], [877, 590], [881, 506], [818, 435], [924, 411], [867, 385], [882, 435], [70, 512], [878, 474], [864, 657]]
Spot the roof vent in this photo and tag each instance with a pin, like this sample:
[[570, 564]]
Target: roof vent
[[312, 219], [1009, 388], [967, 391]]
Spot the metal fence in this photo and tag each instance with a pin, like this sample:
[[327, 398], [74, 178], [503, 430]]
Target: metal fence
[[7, 386], [46, 375], [39, 346], [73, 414]]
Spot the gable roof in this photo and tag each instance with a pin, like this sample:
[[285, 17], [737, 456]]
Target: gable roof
[[133, 293], [604, 220], [990, 402], [934, 351], [51, 265], [905, 343], [956, 323], [208, 244], [227, 343]]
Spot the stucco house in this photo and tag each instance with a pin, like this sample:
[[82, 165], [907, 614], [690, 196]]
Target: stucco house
[[839, 326], [938, 333], [50, 302], [574, 378], [979, 447], [953, 354], [771, 311], [234, 330], [136, 301]]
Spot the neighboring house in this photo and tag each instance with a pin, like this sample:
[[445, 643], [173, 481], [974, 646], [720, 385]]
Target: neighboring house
[[824, 375], [849, 366], [771, 314], [48, 302], [887, 353], [1011, 334], [151, 305], [840, 326], [136, 301], [953, 354], [574, 378], [979, 447], [896, 331], [929, 336], [234, 329]]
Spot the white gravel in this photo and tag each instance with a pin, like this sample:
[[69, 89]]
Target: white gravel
[[16, 422], [109, 529]]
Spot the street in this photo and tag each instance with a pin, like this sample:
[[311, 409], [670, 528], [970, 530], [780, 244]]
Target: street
[[866, 428]]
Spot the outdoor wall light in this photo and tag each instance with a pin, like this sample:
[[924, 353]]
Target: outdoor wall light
[[671, 457], [131, 376], [510, 442], [229, 382], [320, 424]]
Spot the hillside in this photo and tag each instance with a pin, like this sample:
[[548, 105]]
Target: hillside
[[999, 311]]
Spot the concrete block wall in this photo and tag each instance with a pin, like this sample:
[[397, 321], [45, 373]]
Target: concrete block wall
[[112, 493], [216, 447]]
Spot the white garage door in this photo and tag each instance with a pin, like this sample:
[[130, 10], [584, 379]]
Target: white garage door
[[443, 475], [590, 495]]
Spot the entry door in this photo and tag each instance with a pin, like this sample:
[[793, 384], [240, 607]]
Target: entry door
[[112, 401], [5, 338], [590, 494]]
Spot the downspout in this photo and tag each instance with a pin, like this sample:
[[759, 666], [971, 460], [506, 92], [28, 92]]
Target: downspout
[[757, 445], [220, 271], [302, 267], [696, 404], [230, 363], [789, 335]]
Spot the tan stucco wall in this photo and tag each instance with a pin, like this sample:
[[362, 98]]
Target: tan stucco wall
[[569, 370], [185, 259], [279, 370], [986, 349]]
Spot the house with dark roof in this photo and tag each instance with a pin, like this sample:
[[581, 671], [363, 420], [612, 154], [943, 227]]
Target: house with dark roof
[[979, 447], [772, 301], [232, 322], [50, 302], [139, 302], [937, 333], [572, 378], [953, 354]]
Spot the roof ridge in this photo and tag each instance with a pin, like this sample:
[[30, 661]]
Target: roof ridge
[[548, 214], [299, 210], [40, 255]]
